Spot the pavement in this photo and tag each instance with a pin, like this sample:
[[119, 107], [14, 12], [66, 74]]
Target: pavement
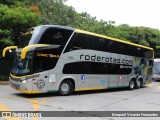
[[4, 82]]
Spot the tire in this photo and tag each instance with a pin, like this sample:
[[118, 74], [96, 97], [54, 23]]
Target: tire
[[65, 88], [138, 83], [132, 84]]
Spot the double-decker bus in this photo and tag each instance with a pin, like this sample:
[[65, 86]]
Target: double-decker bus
[[156, 69], [63, 59]]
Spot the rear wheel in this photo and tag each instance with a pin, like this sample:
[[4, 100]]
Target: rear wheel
[[132, 84], [65, 88], [138, 83]]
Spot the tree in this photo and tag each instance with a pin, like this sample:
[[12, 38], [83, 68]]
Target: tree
[[15, 20]]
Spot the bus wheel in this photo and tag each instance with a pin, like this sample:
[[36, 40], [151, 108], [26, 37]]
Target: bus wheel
[[132, 84], [138, 83], [65, 88]]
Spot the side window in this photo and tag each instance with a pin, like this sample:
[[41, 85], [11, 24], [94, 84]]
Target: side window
[[42, 61], [126, 49], [133, 50], [114, 69], [99, 68], [115, 47], [86, 68], [55, 36], [71, 68], [139, 52], [100, 44], [83, 68], [82, 41], [107, 45], [148, 54]]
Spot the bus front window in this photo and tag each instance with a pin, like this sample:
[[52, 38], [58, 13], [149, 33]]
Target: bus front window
[[22, 66]]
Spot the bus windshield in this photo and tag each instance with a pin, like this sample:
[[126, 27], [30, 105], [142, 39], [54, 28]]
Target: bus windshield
[[22, 66]]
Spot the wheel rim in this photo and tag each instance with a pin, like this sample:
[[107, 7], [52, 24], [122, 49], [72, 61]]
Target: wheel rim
[[132, 84], [65, 88], [138, 83]]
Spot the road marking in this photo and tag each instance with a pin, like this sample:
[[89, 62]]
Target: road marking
[[5, 108], [159, 87], [36, 104]]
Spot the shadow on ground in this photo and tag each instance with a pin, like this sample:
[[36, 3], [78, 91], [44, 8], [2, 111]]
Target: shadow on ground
[[54, 94]]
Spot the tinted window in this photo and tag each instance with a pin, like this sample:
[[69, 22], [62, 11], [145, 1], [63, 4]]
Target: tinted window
[[115, 47], [55, 36], [83, 41], [100, 44], [45, 59], [96, 68], [77, 68], [99, 68]]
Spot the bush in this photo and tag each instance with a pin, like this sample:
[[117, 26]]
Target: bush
[[3, 78]]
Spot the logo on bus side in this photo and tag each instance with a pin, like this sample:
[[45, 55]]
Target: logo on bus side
[[106, 59], [47, 55], [40, 84]]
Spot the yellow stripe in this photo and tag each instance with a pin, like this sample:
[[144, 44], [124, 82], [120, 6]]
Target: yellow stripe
[[25, 50], [110, 38], [6, 49], [20, 76], [83, 89], [30, 91]]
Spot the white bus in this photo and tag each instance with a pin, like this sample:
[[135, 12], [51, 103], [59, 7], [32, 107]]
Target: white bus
[[63, 59], [156, 69]]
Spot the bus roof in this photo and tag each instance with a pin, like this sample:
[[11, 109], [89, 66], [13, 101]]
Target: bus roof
[[110, 38], [57, 26], [95, 34]]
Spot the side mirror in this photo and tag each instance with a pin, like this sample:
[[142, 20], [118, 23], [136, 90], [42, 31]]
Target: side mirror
[[8, 52]]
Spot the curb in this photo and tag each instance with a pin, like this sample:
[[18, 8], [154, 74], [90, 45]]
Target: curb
[[4, 82]]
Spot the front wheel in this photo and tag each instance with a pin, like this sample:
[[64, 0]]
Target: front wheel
[[65, 88], [132, 84]]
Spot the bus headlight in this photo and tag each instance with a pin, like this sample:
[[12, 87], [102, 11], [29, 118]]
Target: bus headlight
[[23, 81]]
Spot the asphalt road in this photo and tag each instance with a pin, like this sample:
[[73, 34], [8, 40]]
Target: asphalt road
[[144, 99]]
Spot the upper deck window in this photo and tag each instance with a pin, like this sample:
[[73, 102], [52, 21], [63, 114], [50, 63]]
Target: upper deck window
[[55, 36]]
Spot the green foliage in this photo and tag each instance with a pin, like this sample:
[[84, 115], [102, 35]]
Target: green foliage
[[20, 18], [7, 41], [15, 20], [2, 77], [144, 42]]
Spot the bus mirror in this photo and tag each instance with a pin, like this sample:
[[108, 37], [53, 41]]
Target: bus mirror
[[9, 50], [9, 54]]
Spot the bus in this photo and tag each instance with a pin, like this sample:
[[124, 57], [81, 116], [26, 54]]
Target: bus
[[156, 69], [64, 59]]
